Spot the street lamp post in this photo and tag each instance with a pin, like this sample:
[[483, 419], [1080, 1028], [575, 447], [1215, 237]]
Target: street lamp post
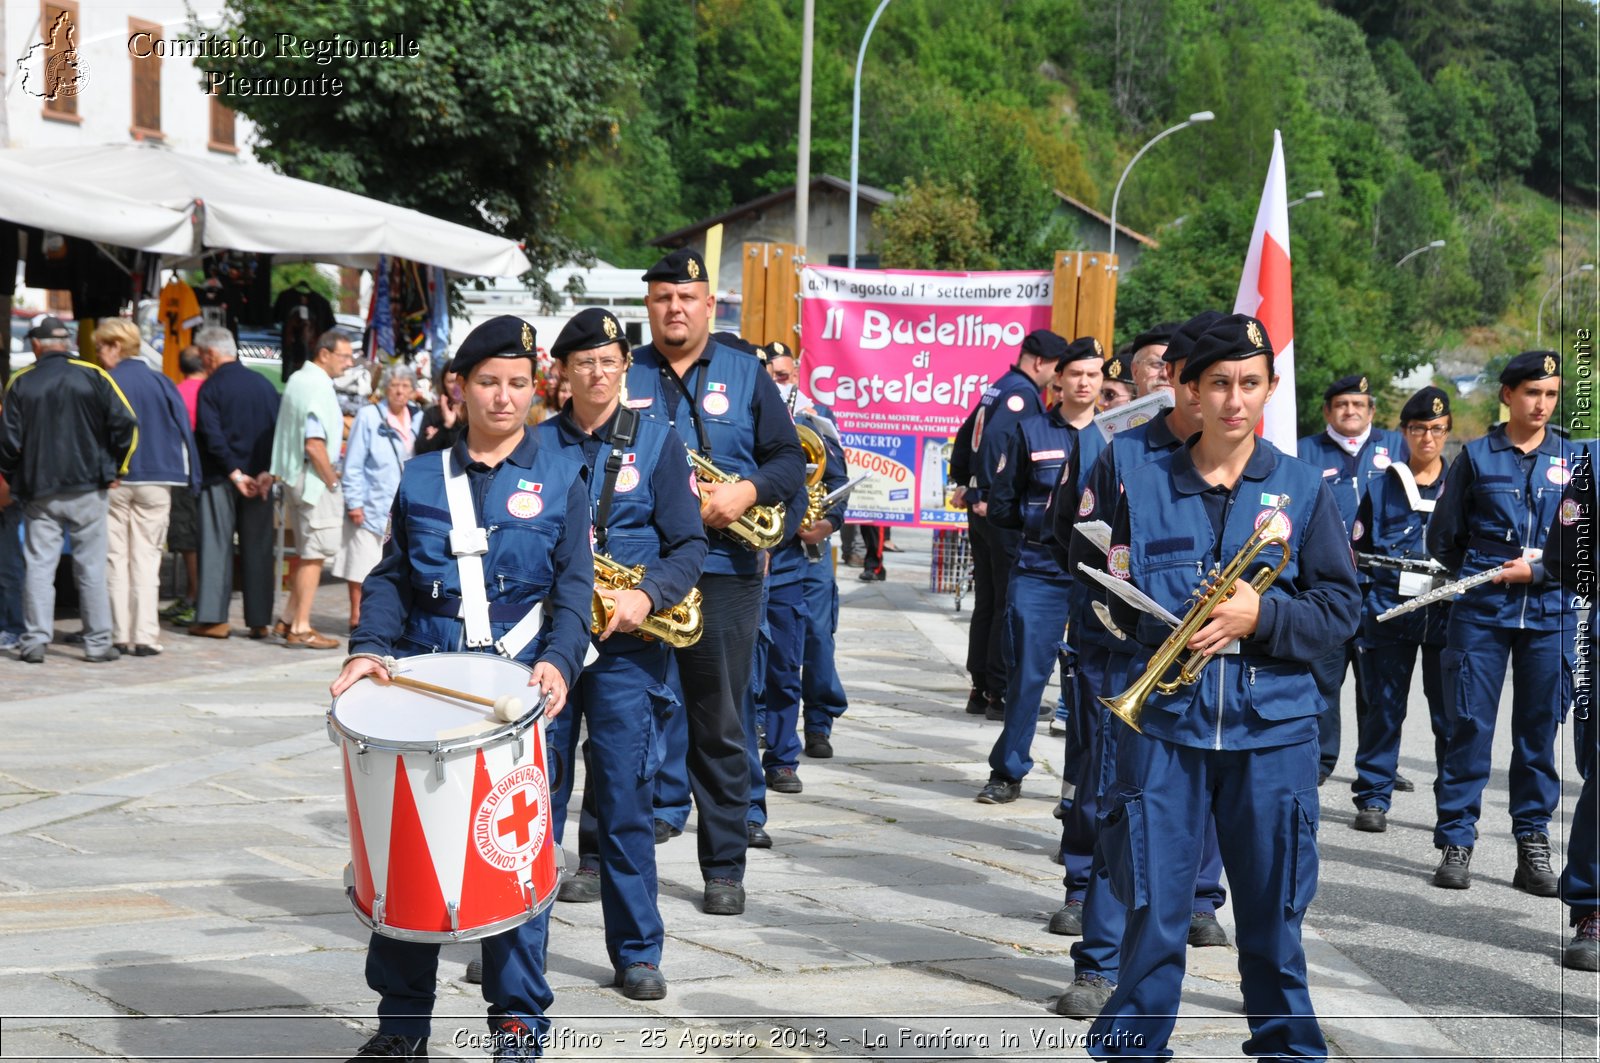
[[1432, 245], [1538, 332], [1309, 195], [1198, 116], [855, 129]]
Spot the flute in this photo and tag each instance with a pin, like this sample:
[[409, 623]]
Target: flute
[[1403, 564], [1440, 594]]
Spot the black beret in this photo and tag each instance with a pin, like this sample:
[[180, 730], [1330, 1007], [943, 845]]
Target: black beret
[[1182, 340], [49, 328], [499, 337], [1354, 384], [1530, 365], [682, 266], [587, 330], [1080, 349], [778, 349], [1232, 339], [1425, 405], [1159, 335], [1045, 344], [1116, 371]]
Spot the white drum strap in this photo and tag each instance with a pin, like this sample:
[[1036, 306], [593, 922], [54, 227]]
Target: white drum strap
[[1409, 482], [468, 543], [523, 632]]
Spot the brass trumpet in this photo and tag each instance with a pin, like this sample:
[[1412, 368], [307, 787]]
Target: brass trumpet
[[817, 461], [1215, 589], [678, 625], [759, 527]]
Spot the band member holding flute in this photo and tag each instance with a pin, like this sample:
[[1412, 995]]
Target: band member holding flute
[[1499, 501], [645, 514], [520, 511], [1391, 524], [1241, 739], [724, 407]]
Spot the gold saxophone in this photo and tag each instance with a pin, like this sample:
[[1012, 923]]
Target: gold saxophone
[[759, 527], [817, 463], [678, 625], [1215, 589]]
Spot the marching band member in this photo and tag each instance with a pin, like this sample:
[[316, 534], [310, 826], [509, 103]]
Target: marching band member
[[1499, 501], [1392, 522], [725, 408], [646, 514], [1569, 558], [1117, 387], [1036, 611], [1242, 740], [1091, 909], [527, 502], [977, 449], [1351, 453]]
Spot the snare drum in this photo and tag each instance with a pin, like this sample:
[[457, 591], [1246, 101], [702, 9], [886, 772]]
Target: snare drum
[[450, 829]]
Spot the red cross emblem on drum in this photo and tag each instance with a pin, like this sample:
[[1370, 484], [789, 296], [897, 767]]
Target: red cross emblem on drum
[[509, 825]]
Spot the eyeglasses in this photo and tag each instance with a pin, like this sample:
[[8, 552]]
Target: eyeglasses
[[592, 365], [1438, 431]]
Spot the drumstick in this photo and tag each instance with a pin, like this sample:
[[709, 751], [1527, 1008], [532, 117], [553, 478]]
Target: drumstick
[[507, 707]]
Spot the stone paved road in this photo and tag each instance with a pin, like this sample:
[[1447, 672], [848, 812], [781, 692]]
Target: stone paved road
[[172, 842]]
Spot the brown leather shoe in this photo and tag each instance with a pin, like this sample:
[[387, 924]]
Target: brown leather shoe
[[281, 629], [211, 631], [260, 632], [310, 639]]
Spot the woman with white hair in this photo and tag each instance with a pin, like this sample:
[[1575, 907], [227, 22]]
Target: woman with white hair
[[382, 438]]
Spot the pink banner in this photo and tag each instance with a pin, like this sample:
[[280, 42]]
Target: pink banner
[[901, 356]]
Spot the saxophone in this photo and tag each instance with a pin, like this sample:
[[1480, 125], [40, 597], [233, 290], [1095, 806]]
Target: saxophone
[[678, 625], [759, 527], [816, 466]]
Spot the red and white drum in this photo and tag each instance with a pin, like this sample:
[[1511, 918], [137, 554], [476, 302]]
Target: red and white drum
[[450, 831]]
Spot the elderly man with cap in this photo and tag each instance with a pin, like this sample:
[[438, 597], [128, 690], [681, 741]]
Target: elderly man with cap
[[1242, 741], [1499, 501], [1029, 468], [1351, 453], [723, 406], [1392, 523], [1088, 495], [1147, 361], [645, 514], [978, 446], [520, 510], [66, 436]]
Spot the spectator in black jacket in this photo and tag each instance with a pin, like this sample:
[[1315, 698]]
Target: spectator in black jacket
[[66, 435], [238, 410]]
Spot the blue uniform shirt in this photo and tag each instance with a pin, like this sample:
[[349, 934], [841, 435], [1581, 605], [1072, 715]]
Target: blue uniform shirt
[[535, 509], [1029, 469], [1170, 526], [654, 518], [1387, 525], [982, 438], [1089, 493], [790, 558], [724, 403], [1347, 475], [1497, 503]]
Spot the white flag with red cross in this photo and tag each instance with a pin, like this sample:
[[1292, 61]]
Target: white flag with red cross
[[1265, 292]]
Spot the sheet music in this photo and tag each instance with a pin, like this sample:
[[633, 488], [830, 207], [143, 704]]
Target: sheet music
[[1131, 594], [1097, 532]]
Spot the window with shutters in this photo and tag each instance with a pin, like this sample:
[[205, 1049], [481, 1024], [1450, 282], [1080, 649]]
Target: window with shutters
[[146, 83], [59, 30], [221, 127]]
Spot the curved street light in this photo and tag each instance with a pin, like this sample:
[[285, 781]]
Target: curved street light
[[1432, 245], [1309, 195], [1197, 117], [855, 129], [1538, 334]]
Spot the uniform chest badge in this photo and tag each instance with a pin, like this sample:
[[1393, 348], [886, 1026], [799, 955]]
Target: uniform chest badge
[[1329, 472], [1119, 562], [640, 404], [1557, 474], [1086, 503], [715, 403], [1570, 511], [1015, 404], [1380, 457], [977, 428], [627, 478], [1357, 530], [1047, 455], [1280, 528], [524, 504]]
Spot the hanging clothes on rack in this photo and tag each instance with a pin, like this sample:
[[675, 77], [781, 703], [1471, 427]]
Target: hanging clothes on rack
[[179, 313]]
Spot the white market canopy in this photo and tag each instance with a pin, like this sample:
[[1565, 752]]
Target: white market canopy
[[246, 208], [65, 205]]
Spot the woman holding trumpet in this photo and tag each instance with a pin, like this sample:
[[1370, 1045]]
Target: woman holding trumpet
[[1236, 735], [526, 505]]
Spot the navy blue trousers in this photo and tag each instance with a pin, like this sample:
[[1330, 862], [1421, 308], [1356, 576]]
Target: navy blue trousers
[[786, 625], [755, 695], [1036, 616], [1329, 672], [993, 552], [822, 694], [1476, 658], [1385, 672], [1265, 802], [621, 700]]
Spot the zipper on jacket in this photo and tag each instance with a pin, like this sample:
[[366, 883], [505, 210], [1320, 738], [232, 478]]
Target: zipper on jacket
[[1222, 671], [436, 586]]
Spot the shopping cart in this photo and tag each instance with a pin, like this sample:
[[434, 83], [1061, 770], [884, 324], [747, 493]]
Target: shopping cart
[[951, 569]]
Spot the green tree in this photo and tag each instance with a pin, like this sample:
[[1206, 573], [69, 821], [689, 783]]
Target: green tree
[[933, 225], [480, 128]]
